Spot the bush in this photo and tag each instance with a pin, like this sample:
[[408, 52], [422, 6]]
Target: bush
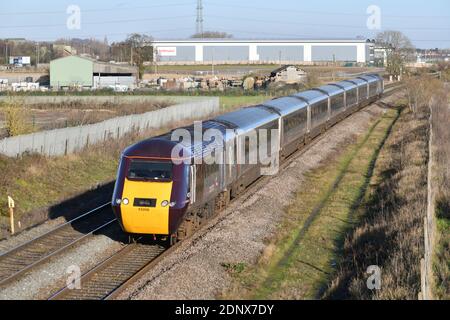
[[15, 119]]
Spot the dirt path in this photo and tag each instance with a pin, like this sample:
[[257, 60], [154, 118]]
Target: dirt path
[[196, 270]]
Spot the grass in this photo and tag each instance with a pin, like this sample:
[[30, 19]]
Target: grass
[[441, 152], [228, 103], [390, 233], [36, 181], [300, 260], [21, 118]]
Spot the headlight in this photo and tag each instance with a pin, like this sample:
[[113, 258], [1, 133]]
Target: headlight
[[125, 201], [165, 203], [118, 201]]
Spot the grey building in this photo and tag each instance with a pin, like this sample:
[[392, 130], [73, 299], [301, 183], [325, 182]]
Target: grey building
[[262, 51]]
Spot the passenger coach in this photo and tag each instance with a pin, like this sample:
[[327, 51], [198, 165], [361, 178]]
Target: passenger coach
[[161, 195]]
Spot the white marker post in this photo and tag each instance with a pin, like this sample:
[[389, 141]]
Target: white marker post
[[11, 213]]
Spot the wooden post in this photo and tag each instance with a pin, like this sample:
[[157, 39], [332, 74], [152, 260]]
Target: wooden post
[[11, 213]]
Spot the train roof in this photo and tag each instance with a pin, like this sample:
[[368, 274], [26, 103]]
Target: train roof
[[331, 90], [159, 147], [286, 105], [312, 96], [376, 76], [347, 85], [358, 82], [369, 78], [246, 119]]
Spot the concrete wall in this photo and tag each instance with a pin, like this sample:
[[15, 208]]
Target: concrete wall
[[241, 51], [30, 100], [183, 54], [69, 140], [288, 53], [341, 53], [228, 53]]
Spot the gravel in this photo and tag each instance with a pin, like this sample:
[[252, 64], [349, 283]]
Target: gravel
[[27, 235], [48, 278], [195, 270]]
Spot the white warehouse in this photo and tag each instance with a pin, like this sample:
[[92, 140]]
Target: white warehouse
[[262, 51]]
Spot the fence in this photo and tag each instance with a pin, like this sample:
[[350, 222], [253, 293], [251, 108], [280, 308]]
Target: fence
[[426, 263], [113, 99], [68, 140]]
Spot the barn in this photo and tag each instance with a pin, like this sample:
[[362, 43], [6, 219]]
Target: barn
[[84, 72]]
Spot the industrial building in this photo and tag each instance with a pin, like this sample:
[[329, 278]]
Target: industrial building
[[83, 72], [262, 51]]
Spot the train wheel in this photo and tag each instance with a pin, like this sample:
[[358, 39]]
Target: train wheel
[[172, 239]]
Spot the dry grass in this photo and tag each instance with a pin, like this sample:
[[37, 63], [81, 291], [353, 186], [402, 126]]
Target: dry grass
[[300, 258], [391, 232], [22, 119], [441, 152], [37, 181]]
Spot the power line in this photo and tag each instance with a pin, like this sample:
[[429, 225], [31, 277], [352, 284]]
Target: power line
[[90, 36], [97, 22], [320, 12], [95, 10], [316, 25], [296, 36]]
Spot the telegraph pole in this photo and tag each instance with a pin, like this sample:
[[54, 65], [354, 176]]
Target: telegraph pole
[[37, 54], [6, 52]]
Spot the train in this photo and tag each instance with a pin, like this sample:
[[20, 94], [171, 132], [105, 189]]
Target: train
[[169, 195]]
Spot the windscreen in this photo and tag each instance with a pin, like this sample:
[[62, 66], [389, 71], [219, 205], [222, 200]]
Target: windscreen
[[150, 170]]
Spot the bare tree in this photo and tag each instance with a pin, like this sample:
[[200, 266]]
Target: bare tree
[[212, 35], [400, 48], [394, 39], [141, 50]]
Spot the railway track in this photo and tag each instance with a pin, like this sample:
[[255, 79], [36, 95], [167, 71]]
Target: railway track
[[116, 274], [19, 260], [103, 280]]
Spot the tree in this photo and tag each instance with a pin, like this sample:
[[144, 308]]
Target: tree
[[212, 35], [400, 50], [141, 50], [394, 39]]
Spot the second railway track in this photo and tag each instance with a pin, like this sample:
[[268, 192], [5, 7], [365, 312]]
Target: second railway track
[[116, 273], [19, 260]]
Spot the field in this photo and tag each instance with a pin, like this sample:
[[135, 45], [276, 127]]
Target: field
[[300, 260], [246, 69], [390, 232], [231, 102], [441, 150], [28, 181], [19, 118]]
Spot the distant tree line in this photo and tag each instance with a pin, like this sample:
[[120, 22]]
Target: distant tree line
[[135, 49]]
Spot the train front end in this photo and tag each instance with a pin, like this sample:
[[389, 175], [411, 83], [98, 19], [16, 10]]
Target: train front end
[[151, 191]]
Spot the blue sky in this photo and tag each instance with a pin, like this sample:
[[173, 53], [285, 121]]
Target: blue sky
[[426, 23]]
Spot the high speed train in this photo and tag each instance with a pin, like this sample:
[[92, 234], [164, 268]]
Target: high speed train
[[165, 195]]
